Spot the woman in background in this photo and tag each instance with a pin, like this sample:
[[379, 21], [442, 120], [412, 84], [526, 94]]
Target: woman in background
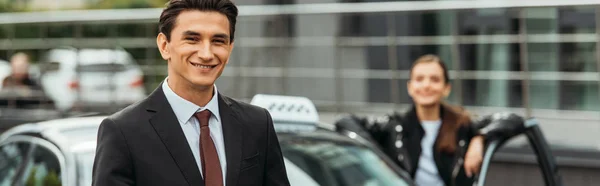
[[434, 141]]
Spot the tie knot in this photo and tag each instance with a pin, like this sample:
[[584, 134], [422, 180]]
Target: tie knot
[[203, 117]]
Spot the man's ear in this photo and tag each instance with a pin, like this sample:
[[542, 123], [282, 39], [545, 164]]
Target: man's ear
[[162, 42], [230, 51]]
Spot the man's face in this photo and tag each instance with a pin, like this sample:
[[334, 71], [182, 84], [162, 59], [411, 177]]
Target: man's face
[[199, 48]]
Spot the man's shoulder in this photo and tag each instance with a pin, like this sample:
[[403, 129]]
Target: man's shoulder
[[246, 111], [242, 106], [130, 115]]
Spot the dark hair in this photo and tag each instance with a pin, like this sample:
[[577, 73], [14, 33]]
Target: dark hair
[[430, 58], [169, 15]]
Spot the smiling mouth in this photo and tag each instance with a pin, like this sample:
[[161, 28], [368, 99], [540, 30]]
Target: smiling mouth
[[203, 66], [427, 94]]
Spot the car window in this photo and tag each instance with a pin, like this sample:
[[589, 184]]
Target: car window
[[43, 169], [335, 164], [297, 176], [12, 156], [49, 66]]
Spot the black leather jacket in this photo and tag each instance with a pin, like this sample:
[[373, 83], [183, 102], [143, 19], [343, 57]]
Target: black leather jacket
[[399, 136]]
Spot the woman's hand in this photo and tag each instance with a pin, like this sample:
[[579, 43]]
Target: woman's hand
[[474, 156]]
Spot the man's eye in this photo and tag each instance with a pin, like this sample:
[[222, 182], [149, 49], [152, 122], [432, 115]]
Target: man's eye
[[219, 41], [190, 39]]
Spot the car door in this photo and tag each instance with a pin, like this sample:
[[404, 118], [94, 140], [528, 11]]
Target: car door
[[13, 155], [502, 127]]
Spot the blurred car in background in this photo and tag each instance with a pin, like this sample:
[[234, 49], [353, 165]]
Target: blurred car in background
[[5, 70], [61, 152], [91, 78]]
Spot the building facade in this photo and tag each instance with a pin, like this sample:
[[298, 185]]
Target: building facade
[[540, 60]]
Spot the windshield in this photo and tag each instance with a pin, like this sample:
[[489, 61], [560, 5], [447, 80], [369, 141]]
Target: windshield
[[334, 164]]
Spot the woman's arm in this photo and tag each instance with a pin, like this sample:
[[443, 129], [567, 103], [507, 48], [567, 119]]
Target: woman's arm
[[474, 156]]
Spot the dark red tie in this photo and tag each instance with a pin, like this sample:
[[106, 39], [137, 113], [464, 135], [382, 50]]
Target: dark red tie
[[211, 166]]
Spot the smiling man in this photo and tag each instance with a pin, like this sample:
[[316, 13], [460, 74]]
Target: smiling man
[[186, 132]]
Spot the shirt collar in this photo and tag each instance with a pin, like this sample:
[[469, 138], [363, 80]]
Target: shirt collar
[[185, 109]]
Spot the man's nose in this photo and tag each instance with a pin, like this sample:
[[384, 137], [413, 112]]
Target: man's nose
[[205, 52]]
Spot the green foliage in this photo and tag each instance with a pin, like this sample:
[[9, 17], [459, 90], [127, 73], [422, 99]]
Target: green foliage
[[12, 5], [24, 5], [31, 178], [52, 179], [119, 4]]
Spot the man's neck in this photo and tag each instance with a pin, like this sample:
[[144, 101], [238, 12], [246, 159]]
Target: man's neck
[[186, 90], [428, 113]]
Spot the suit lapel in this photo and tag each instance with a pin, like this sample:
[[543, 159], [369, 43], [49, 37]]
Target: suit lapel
[[167, 127], [232, 135]]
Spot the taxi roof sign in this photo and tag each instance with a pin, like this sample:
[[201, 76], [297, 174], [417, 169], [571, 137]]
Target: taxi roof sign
[[288, 109]]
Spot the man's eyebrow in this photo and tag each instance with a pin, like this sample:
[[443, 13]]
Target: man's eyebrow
[[191, 33], [221, 35]]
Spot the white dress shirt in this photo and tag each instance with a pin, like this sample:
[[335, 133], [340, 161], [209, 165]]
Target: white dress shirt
[[185, 110], [427, 173]]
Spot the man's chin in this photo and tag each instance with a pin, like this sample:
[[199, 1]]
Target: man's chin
[[203, 84]]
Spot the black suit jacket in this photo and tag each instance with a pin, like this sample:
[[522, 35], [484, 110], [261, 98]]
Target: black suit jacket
[[144, 144]]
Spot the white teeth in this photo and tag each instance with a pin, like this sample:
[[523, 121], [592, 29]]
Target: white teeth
[[202, 66]]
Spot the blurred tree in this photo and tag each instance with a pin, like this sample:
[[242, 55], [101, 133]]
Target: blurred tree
[[31, 178], [13, 5], [52, 179], [118, 4]]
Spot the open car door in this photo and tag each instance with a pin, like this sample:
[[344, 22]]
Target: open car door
[[500, 128]]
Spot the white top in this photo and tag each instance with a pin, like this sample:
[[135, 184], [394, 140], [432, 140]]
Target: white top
[[185, 110], [427, 172]]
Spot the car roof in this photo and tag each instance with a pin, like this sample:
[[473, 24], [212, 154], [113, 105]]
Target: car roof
[[73, 134], [65, 132]]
